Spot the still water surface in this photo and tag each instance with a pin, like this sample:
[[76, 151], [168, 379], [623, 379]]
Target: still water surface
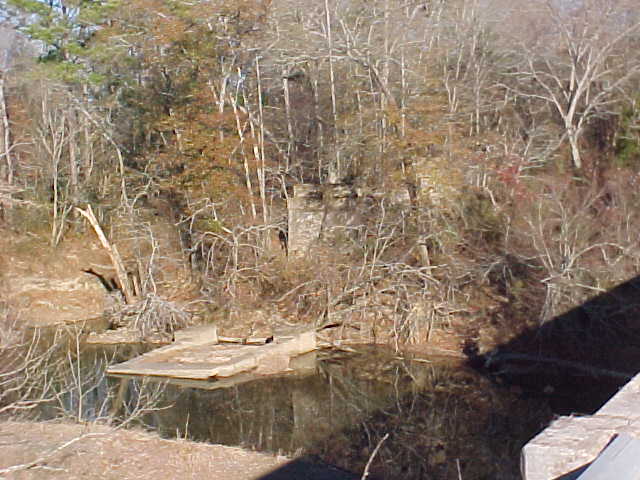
[[443, 421]]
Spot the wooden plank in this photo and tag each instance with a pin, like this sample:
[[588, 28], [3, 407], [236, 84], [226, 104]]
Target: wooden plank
[[620, 459]]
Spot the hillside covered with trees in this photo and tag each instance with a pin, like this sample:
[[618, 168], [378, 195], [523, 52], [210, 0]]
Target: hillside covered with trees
[[492, 148]]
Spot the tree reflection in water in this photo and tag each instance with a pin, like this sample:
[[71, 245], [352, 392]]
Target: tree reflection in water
[[443, 420]]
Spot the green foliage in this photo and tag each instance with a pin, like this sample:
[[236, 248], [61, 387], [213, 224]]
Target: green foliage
[[65, 31], [34, 7], [208, 225], [95, 13], [64, 71], [628, 144]]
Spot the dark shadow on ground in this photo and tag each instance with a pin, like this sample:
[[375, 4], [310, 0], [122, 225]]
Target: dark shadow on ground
[[578, 359], [309, 468]]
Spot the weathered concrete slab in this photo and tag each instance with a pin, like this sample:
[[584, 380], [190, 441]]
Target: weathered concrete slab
[[197, 354], [620, 459], [570, 444], [305, 364]]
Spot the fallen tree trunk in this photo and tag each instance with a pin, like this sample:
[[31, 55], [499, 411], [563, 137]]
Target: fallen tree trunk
[[116, 260]]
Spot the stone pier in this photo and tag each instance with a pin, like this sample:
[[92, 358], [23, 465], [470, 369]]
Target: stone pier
[[322, 213]]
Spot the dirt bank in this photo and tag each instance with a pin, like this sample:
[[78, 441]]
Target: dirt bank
[[98, 451]]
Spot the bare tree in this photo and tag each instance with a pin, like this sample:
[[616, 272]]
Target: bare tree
[[6, 40], [5, 136], [578, 61]]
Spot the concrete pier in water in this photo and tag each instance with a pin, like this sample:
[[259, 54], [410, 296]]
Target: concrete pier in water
[[199, 354]]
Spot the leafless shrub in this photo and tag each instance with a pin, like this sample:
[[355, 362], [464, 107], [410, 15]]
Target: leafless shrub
[[151, 266], [50, 376], [145, 399], [580, 238], [78, 390], [231, 256], [154, 314]]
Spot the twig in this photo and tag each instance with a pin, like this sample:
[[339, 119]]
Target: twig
[[365, 474], [293, 290]]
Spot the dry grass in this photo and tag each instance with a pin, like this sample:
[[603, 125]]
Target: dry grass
[[106, 453]]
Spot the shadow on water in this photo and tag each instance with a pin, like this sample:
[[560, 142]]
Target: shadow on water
[[443, 420], [579, 359]]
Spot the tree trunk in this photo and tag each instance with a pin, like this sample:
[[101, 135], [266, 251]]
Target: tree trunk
[[112, 251], [245, 162], [575, 150], [318, 121], [73, 156], [262, 170], [5, 137], [335, 167], [287, 110]]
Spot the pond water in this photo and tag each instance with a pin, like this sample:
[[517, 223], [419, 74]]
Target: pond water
[[440, 420]]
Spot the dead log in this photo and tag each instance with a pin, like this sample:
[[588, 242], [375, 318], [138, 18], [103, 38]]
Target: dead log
[[116, 260]]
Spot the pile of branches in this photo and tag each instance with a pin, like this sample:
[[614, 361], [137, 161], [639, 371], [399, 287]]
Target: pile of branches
[[152, 315]]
